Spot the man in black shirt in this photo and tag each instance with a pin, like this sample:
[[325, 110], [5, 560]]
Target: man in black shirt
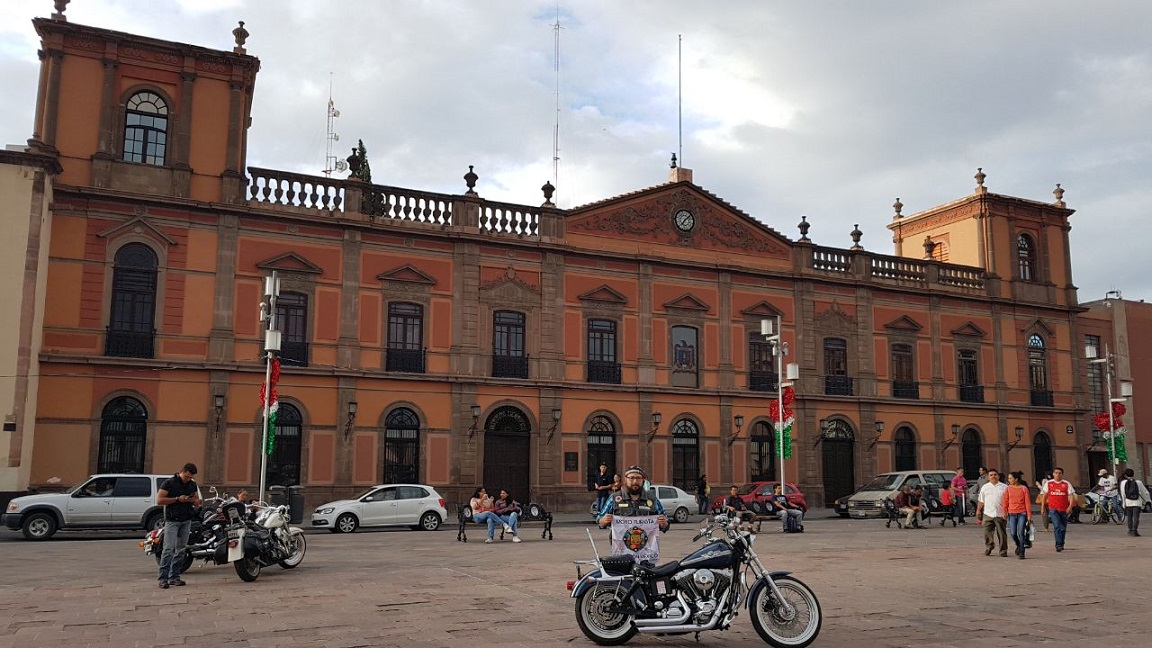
[[179, 496], [734, 505], [603, 487]]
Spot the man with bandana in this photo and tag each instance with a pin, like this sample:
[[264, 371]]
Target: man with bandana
[[633, 501]]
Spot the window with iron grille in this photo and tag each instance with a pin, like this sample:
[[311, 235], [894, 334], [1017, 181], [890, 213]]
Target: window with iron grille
[[685, 455], [405, 337], [905, 449], [123, 433], [836, 379], [904, 383], [968, 376], [761, 444], [284, 462], [1037, 363], [601, 447], [602, 364], [131, 321], [508, 358], [292, 320], [761, 365], [1095, 375], [1026, 257], [402, 447], [146, 128]]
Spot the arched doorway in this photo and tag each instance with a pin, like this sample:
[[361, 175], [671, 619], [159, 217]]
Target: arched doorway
[[601, 443], [762, 451], [123, 432], [905, 449], [401, 447], [685, 455], [839, 442], [507, 452], [1041, 455], [971, 454]]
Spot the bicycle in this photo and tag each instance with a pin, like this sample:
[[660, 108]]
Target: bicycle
[[1105, 508]]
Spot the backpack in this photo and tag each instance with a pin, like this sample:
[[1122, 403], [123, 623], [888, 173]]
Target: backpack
[[1131, 490]]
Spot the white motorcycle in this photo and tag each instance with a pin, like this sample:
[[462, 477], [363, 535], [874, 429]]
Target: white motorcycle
[[270, 540]]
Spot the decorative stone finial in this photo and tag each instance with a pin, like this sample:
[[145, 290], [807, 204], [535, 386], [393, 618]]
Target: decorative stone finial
[[856, 234], [470, 179], [548, 190], [803, 226], [928, 247], [241, 35], [61, 5], [898, 206], [1059, 193], [673, 165], [980, 188]]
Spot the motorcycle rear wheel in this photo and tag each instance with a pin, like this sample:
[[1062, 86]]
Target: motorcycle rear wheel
[[247, 569], [299, 546], [597, 623], [796, 630]]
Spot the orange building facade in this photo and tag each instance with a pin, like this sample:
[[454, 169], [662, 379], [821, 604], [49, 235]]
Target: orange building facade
[[453, 340]]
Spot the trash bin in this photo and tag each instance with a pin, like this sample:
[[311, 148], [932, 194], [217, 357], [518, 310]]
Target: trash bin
[[296, 503], [277, 495]]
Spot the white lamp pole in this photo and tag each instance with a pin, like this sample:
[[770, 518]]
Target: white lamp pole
[[271, 346], [772, 330]]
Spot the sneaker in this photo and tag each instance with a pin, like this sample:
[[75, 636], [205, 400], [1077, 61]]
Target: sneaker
[[1059, 549], [177, 582], [488, 541], [507, 528], [1003, 554], [988, 551], [515, 538], [163, 584], [1020, 556], [1136, 533]]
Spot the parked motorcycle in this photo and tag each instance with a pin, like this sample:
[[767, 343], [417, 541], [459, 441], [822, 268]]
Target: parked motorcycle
[[270, 541], [704, 591]]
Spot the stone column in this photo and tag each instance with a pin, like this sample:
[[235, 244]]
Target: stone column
[[348, 345]]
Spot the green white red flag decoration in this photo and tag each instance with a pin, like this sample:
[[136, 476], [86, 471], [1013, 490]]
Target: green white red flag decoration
[[1101, 421], [784, 432], [273, 407]]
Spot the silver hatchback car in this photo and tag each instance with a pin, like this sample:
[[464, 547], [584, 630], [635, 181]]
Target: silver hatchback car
[[416, 506]]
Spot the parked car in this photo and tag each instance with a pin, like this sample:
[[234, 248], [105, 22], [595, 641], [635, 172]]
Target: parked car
[[107, 501], [756, 495], [678, 504], [413, 505], [841, 505], [868, 500]]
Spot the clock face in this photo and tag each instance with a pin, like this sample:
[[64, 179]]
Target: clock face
[[684, 220]]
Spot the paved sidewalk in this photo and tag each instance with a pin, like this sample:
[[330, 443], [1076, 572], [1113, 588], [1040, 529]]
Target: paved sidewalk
[[878, 587]]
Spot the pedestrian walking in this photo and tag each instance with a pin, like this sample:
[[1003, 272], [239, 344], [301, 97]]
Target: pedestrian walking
[[1017, 504], [1057, 496], [179, 495], [702, 492], [1135, 494], [960, 494], [990, 513], [1040, 498]]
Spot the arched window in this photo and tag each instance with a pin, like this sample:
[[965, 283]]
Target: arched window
[[123, 431], [1026, 257], [763, 453], [131, 323], [905, 449], [971, 452], [146, 128], [1038, 371], [601, 447], [284, 462], [685, 455], [402, 447], [1041, 455]]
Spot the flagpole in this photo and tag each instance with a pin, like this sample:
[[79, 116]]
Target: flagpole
[[271, 345]]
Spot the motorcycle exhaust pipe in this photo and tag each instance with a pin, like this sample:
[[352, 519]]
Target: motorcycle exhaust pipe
[[649, 626], [641, 623]]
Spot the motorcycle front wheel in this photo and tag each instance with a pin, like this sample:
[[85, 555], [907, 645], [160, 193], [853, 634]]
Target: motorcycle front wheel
[[783, 628], [299, 546], [247, 569], [596, 619]]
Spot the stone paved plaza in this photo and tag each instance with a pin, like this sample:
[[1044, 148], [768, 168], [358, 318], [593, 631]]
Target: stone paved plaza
[[878, 587]]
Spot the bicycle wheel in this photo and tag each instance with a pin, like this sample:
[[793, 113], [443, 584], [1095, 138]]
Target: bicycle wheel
[[1117, 514], [1097, 513]]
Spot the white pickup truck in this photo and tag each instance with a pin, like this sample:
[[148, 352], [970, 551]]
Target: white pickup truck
[[110, 501]]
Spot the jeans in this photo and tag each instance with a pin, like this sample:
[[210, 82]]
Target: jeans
[[1017, 528], [511, 519], [994, 530], [1059, 525], [1133, 515], [175, 540], [491, 518], [959, 506], [703, 500], [601, 500], [786, 514]]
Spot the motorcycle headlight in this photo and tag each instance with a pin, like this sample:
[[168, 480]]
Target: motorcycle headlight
[[326, 510]]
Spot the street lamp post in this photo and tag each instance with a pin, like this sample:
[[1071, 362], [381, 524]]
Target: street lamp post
[[1125, 391], [271, 346], [773, 332]]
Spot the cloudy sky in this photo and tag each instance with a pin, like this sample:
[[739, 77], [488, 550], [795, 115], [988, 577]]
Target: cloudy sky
[[829, 109]]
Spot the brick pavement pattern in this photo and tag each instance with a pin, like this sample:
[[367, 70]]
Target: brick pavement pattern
[[878, 588]]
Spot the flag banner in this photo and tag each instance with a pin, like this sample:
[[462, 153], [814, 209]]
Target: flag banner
[[636, 536], [273, 405]]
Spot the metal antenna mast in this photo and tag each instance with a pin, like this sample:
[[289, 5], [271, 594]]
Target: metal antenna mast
[[556, 126], [331, 160], [680, 98]]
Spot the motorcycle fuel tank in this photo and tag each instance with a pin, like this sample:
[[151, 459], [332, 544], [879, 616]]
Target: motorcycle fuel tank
[[716, 555]]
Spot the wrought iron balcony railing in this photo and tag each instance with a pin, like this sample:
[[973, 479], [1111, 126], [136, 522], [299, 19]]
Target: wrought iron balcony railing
[[1041, 398], [972, 393], [905, 389], [405, 360], [838, 385], [763, 381], [130, 344], [509, 366], [294, 354], [600, 371]]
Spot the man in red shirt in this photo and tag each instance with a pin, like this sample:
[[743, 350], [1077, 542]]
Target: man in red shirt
[[1057, 496]]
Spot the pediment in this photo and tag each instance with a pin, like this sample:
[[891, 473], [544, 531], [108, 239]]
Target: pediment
[[648, 216], [290, 262], [138, 226], [761, 309], [968, 329], [687, 302], [407, 273], [606, 294], [509, 287], [835, 318], [903, 323], [1039, 326]]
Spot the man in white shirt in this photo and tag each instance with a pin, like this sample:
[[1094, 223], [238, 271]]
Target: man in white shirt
[[1107, 487], [1133, 505], [990, 513]]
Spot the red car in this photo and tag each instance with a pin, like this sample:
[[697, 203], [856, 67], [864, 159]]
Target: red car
[[757, 494]]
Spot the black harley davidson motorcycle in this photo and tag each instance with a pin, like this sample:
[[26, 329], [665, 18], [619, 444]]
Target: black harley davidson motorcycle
[[619, 597]]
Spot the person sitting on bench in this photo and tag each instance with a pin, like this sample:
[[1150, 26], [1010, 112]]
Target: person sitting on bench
[[789, 513], [908, 504], [734, 506]]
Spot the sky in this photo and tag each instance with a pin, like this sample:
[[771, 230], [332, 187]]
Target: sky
[[830, 110]]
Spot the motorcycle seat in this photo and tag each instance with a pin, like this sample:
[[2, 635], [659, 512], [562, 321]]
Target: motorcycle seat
[[658, 572]]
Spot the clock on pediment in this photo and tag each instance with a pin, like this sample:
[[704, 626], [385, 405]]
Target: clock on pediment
[[684, 220]]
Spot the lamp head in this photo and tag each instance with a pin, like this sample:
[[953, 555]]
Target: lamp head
[[739, 421], [475, 412]]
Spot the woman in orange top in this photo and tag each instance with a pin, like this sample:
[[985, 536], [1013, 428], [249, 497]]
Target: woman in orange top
[[1017, 504]]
